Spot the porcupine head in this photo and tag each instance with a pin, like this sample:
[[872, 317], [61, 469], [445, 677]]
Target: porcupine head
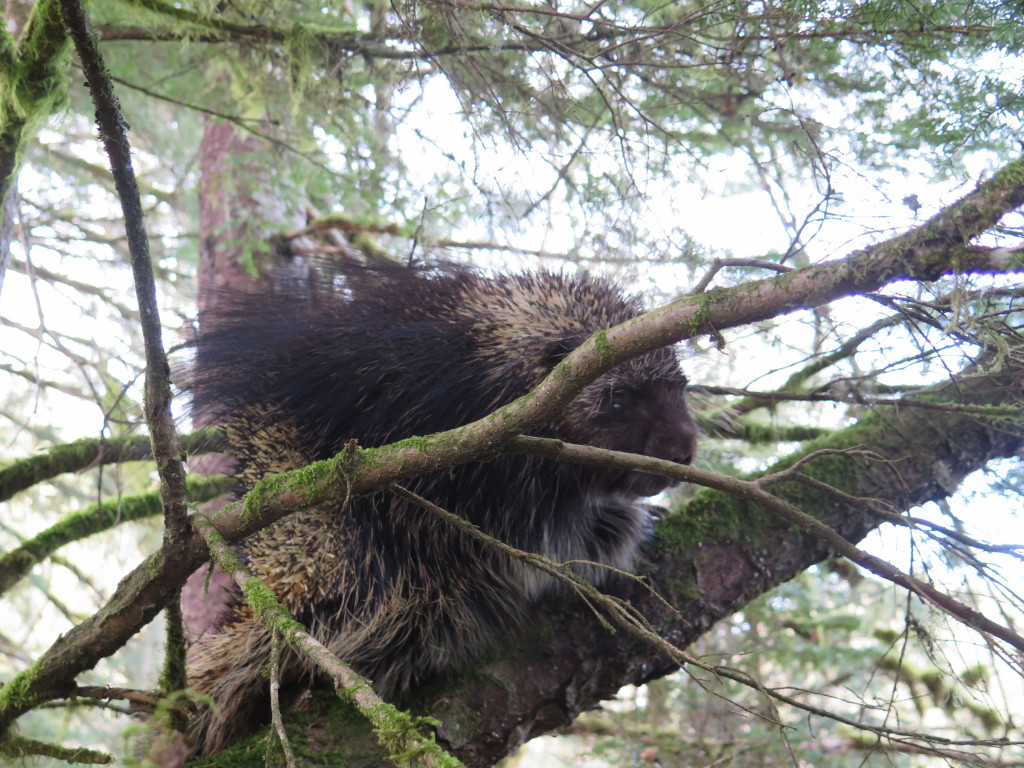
[[403, 597]]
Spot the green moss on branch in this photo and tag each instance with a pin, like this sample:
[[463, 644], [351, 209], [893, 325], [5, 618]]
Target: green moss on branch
[[95, 518], [82, 454]]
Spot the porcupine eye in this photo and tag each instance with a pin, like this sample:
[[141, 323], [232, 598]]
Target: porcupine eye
[[619, 403]]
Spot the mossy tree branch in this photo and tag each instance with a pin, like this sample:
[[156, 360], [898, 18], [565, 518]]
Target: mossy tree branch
[[31, 88], [935, 248], [157, 391], [31, 84], [16, 563], [88, 452], [396, 731], [20, 748], [761, 434], [754, 492]]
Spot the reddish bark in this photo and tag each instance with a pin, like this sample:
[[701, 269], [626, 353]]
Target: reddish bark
[[236, 215]]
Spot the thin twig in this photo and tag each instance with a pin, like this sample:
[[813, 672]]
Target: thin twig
[[276, 645], [718, 264]]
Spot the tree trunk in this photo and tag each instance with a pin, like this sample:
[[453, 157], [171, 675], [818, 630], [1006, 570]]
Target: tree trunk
[[239, 214]]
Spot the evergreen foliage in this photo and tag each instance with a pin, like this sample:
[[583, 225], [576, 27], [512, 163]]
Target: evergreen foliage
[[662, 143]]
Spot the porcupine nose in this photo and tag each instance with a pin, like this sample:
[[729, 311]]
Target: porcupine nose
[[687, 448], [677, 447]]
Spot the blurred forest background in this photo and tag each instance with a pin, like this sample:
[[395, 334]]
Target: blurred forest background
[[654, 142]]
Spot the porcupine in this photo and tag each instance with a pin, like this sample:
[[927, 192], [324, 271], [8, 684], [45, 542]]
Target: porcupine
[[403, 597]]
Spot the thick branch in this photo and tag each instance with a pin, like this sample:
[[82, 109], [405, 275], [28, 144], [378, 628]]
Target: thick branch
[[755, 493]]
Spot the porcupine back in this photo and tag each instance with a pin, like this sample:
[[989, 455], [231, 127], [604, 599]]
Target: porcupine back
[[400, 595]]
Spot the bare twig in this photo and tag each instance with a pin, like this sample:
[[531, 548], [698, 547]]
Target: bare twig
[[796, 380], [146, 700], [276, 646], [718, 264]]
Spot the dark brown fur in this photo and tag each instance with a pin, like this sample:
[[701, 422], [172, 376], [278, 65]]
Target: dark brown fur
[[396, 593]]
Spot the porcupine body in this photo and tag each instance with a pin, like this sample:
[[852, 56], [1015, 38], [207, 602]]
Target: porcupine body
[[395, 592]]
